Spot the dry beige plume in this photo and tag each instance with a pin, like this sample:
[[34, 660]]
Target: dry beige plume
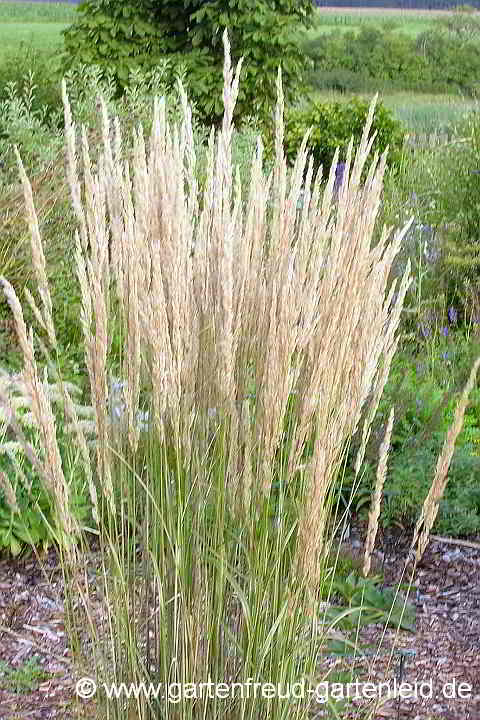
[[10, 496], [374, 513]]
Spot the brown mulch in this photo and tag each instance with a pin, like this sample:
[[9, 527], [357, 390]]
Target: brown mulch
[[444, 649], [441, 660], [32, 617]]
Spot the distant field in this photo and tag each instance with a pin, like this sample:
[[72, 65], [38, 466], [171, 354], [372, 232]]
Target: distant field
[[50, 12], [422, 113], [410, 22], [39, 25], [41, 36], [419, 113], [34, 24], [412, 28], [384, 11]]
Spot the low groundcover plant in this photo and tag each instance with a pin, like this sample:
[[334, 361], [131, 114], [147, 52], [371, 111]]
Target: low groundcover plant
[[257, 334]]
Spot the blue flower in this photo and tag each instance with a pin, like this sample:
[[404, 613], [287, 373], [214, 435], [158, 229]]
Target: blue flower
[[452, 315], [445, 331], [445, 356]]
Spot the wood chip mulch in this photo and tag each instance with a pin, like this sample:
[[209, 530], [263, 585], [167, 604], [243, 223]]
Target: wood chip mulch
[[32, 626], [444, 650], [443, 656]]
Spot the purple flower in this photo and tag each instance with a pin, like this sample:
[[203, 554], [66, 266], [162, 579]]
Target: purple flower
[[452, 315], [339, 173], [425, 329], [445, 331], [445, 356]]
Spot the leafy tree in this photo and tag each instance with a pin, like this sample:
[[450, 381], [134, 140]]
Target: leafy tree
[[122, 35]]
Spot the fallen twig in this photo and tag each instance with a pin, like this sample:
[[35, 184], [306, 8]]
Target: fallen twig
[[28, 641], [455, 541]]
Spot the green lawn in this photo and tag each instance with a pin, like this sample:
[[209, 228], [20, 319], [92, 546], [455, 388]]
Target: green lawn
[[40, 35]]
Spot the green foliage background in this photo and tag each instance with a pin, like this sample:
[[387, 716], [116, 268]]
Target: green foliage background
[[333, 124], [124, 36], [439, 186], [441, 59]]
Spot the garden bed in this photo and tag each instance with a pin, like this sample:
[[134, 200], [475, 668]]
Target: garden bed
[[444, 648]]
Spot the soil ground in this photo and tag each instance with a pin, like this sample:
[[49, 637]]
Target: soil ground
[[444, 650]]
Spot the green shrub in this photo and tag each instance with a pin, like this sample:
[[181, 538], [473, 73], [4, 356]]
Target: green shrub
[[35, 523], [127, 36], [445, 184], [442, 59], [113, 35], [28, 65], [410, 479], [340, 80], [25, 124], [454, 62], [377, 58], [423, 387], [334, 123]]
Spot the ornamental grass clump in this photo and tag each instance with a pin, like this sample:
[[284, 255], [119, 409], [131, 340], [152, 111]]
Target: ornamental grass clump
[[255, 333]]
